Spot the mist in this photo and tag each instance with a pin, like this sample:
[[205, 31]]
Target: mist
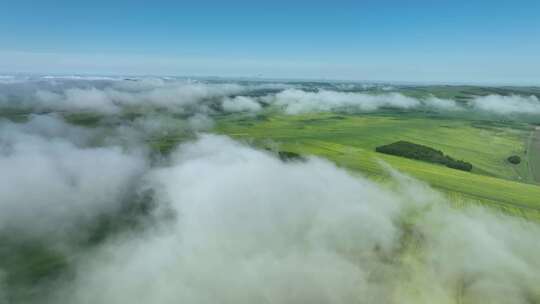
[[513, 104], [111, 99], [250, 228], [51, 181], [217, 220], [241, 104], [297, 101], [114, 96]]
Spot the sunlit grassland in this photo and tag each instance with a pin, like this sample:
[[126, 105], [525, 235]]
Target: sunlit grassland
[[350, 140], [533, 154]]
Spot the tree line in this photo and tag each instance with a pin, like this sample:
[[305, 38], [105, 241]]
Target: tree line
[[423, 153]]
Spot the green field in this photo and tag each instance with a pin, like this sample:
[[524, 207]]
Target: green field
[[533, 156], [350, 141]]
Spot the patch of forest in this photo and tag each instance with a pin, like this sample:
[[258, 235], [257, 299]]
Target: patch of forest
[[424, 153]]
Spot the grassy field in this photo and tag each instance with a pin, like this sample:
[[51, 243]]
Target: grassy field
[[350, 140], [533, 154]]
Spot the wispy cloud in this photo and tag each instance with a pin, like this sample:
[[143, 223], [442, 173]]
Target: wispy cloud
[[512, 104]]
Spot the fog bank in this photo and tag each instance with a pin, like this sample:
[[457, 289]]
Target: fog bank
[[110, 96], [512, 104], [250, 228], [51, 182]]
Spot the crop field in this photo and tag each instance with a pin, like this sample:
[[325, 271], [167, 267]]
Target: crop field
[[533, 154], [350, 141]]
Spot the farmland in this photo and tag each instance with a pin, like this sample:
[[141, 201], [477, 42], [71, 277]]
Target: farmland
[[533, 154], [350, 141]]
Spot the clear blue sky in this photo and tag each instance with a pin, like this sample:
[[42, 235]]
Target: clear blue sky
[[423, 40]]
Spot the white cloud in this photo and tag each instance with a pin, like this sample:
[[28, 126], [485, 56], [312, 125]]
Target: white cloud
[[175, 95], [88, 99], [241, 104], [49, 185], [298, 101], [250, 228], [181, 94], [512, 104], [110, 96], [75, 99]]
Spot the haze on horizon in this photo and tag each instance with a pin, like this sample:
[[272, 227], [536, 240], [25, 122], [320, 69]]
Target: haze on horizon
[[420, 41]]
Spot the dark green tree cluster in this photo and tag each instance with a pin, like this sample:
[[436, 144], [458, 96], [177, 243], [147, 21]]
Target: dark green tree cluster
[[514, 159], [423, 153], [287, 156]]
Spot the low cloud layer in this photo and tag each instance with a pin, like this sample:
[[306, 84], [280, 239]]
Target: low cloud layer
[[298, 101], [182, 97], [250, 228], [512, 104], [50, 183], [241, 104], [237, 225], [112, 96], [111, 100]]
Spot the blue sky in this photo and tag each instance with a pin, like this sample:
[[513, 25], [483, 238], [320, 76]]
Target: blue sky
[[418, 41]]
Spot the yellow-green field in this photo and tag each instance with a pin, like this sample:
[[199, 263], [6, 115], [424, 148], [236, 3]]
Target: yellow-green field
[[350, 140], [533, 155]]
